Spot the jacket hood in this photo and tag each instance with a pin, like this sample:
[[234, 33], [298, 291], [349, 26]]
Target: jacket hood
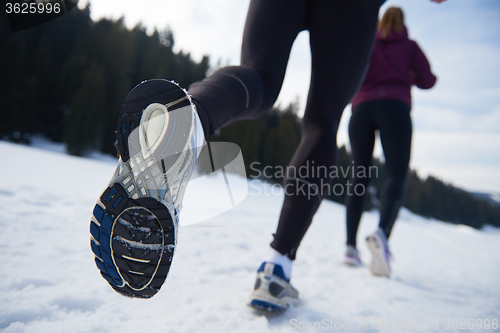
[[393, 35]]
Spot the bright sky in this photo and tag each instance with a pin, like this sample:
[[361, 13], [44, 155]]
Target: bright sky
[[456, 124]]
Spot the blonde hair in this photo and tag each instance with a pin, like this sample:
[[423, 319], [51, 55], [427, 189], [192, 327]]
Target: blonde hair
[[393, 20]]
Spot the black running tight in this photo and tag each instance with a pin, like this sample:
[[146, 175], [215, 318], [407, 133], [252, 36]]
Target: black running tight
[[392, 119], [341, 38]]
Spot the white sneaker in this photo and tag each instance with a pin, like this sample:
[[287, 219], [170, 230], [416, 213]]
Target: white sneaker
[[377, 243], [135, 221], [352, 257], [273, 291]]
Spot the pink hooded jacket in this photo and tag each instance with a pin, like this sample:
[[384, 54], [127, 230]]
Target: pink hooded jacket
[[396, 64]]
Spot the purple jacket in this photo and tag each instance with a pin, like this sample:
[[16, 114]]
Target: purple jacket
[[396, 64]]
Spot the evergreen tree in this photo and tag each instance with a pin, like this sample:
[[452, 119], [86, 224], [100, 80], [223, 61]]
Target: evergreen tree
[[46, 69], [84, 123]]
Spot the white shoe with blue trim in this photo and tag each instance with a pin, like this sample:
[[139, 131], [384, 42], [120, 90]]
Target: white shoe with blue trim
[[273, 291]]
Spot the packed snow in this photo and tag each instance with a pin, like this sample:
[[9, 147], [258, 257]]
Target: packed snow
[[445, 277]]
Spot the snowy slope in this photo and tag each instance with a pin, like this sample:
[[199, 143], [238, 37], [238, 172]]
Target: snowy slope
[[50, 283]]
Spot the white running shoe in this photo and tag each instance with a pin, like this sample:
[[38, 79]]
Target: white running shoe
[[134, 223], [352, 257], [273, 291], [377, 243]]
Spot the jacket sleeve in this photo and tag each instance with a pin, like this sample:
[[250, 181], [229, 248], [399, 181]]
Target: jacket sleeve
[[420, 70]]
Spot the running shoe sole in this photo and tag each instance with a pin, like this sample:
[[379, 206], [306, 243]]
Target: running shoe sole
[[134, 223], [380, 261]]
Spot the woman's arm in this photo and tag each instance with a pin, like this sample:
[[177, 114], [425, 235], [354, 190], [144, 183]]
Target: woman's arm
[[420, 70]]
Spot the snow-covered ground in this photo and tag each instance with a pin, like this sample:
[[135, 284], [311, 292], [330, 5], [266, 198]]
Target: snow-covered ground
[[446, 277]]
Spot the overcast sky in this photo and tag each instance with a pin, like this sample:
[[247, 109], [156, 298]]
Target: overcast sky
[[456, 124]]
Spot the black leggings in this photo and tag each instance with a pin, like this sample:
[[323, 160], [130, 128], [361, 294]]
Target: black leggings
[[392, 119], [341, 38]]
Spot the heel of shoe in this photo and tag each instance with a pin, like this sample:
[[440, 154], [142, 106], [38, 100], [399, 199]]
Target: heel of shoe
[[133, 242]]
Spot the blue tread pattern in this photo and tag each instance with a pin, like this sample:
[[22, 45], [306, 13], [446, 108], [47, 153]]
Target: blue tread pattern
[[101, 234], [265, 306]]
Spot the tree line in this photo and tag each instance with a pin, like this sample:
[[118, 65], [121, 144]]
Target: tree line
[[66, 80]]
